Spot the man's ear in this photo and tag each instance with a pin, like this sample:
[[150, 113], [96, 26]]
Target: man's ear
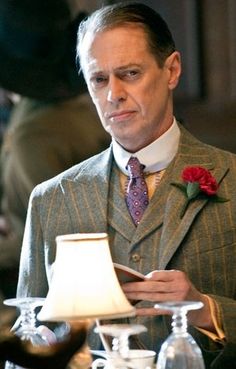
[[173, 64]]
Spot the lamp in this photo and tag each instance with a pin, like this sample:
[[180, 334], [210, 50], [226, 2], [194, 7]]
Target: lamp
[[84, 283]]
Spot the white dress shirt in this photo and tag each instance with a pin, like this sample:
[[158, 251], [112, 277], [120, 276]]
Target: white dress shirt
[[155, 156]]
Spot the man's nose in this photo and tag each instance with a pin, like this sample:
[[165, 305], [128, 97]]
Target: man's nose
[[116, 90]]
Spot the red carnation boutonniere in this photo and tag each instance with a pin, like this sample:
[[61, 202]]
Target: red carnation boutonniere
[[198, 184]]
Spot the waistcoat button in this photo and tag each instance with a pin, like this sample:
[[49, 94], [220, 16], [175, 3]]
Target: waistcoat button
[[136, 258]]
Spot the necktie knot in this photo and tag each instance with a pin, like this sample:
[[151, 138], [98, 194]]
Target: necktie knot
[[135, 168]]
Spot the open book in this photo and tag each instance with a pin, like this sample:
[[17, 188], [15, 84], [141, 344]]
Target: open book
[[126, 274]]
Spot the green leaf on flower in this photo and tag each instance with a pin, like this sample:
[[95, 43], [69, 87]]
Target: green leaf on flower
[[193, 190], [217, 198]]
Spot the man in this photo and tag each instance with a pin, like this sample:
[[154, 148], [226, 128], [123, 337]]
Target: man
[[184, 242]]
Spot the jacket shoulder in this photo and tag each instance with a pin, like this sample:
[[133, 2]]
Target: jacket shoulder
[[86, 168]]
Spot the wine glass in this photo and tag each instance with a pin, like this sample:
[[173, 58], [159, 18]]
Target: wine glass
[[118, 355], [179, 350], [26, 322]]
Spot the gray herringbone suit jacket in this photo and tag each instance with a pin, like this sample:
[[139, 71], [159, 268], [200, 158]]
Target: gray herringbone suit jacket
[[88, 198]]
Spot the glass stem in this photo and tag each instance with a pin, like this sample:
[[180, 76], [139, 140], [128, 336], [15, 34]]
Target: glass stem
[[179, 322], [121, 345], [28, 320]]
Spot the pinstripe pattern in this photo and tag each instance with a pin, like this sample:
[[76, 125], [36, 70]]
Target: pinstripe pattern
[[88, 198]]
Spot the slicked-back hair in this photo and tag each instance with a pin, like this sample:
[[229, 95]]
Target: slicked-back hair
[[159, 38]]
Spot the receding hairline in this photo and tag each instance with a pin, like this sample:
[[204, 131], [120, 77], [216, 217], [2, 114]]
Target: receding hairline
[[93, 33], [156, 31], [109, 27], [112, 26]]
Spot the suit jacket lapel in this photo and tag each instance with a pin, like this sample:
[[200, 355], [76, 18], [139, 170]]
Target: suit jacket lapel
[[86, 194], [119, 217], [90, 192], [174, 228]]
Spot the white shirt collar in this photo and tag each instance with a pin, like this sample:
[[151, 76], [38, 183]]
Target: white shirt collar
[[155, 156]]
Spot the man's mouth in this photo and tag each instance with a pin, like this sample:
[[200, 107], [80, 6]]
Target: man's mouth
[[120, 115]]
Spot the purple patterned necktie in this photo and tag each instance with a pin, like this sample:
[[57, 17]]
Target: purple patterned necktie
[[136, 196]]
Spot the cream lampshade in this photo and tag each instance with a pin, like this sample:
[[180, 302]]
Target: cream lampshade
[[84, 283]]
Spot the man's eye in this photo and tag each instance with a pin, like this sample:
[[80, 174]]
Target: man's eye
[[98, 80], [131, 74]]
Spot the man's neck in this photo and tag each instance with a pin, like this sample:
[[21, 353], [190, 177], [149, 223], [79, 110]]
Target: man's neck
[[155, 156]]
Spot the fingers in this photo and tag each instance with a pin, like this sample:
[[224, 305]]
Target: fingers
[[160, 282], [163, 275], [153, 296], [150, 287], [172, 285]]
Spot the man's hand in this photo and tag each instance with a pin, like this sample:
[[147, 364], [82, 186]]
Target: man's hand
[[169, 285]]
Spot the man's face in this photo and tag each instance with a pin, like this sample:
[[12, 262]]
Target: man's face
[[132, 94]]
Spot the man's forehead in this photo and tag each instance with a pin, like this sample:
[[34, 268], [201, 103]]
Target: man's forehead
[[130, 29], [114, 44]]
